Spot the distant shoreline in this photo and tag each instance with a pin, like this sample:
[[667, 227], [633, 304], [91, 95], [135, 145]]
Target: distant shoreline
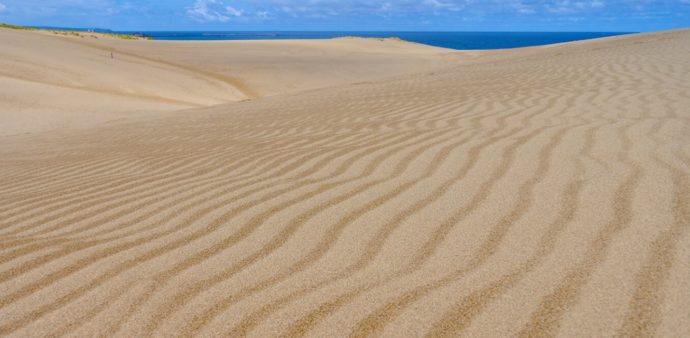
[[79, 32], [450, 40]]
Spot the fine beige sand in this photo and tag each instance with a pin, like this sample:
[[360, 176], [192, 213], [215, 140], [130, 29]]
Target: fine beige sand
[[366, 188], [56, 82]]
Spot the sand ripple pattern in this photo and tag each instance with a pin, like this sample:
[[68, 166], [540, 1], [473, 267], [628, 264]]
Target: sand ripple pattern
[[538, 192]]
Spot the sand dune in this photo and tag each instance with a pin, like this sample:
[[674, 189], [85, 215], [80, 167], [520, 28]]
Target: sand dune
[[85, 82], [534, 192]]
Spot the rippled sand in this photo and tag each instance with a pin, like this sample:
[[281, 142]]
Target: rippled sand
[[534, 192]]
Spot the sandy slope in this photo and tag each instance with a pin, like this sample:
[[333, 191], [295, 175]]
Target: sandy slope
[[273, 67], [87, 81], [533, 192]]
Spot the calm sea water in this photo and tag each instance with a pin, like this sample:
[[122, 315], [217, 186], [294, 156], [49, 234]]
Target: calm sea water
[[455, 40]]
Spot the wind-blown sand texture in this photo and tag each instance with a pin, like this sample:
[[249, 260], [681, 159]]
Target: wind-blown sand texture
[[534, 192], [87, 81]]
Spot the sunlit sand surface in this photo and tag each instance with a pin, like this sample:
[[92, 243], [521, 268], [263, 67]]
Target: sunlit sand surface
[[359, 188]]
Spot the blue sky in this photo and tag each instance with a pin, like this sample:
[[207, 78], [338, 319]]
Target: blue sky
[[362, 15]]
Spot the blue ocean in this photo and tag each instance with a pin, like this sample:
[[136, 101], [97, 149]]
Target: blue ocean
[[454, 40]]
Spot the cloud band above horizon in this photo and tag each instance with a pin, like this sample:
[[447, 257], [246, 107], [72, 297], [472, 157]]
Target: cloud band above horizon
[[562, 15]]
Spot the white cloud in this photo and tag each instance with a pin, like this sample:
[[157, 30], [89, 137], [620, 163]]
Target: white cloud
[[567, 6], [333, 8], [555, 6], [2, 8], [444, 5], [208, 11], [518, 6], [247, 10], [234, 11], [219, 11]]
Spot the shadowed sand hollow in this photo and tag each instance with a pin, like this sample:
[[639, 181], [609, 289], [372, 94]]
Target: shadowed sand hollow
[[374, 188]]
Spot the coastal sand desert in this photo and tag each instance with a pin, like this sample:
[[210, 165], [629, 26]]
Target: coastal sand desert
[[373, 188], [87, 81]]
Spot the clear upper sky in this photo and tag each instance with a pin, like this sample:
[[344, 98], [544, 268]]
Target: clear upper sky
[[349, 15]]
